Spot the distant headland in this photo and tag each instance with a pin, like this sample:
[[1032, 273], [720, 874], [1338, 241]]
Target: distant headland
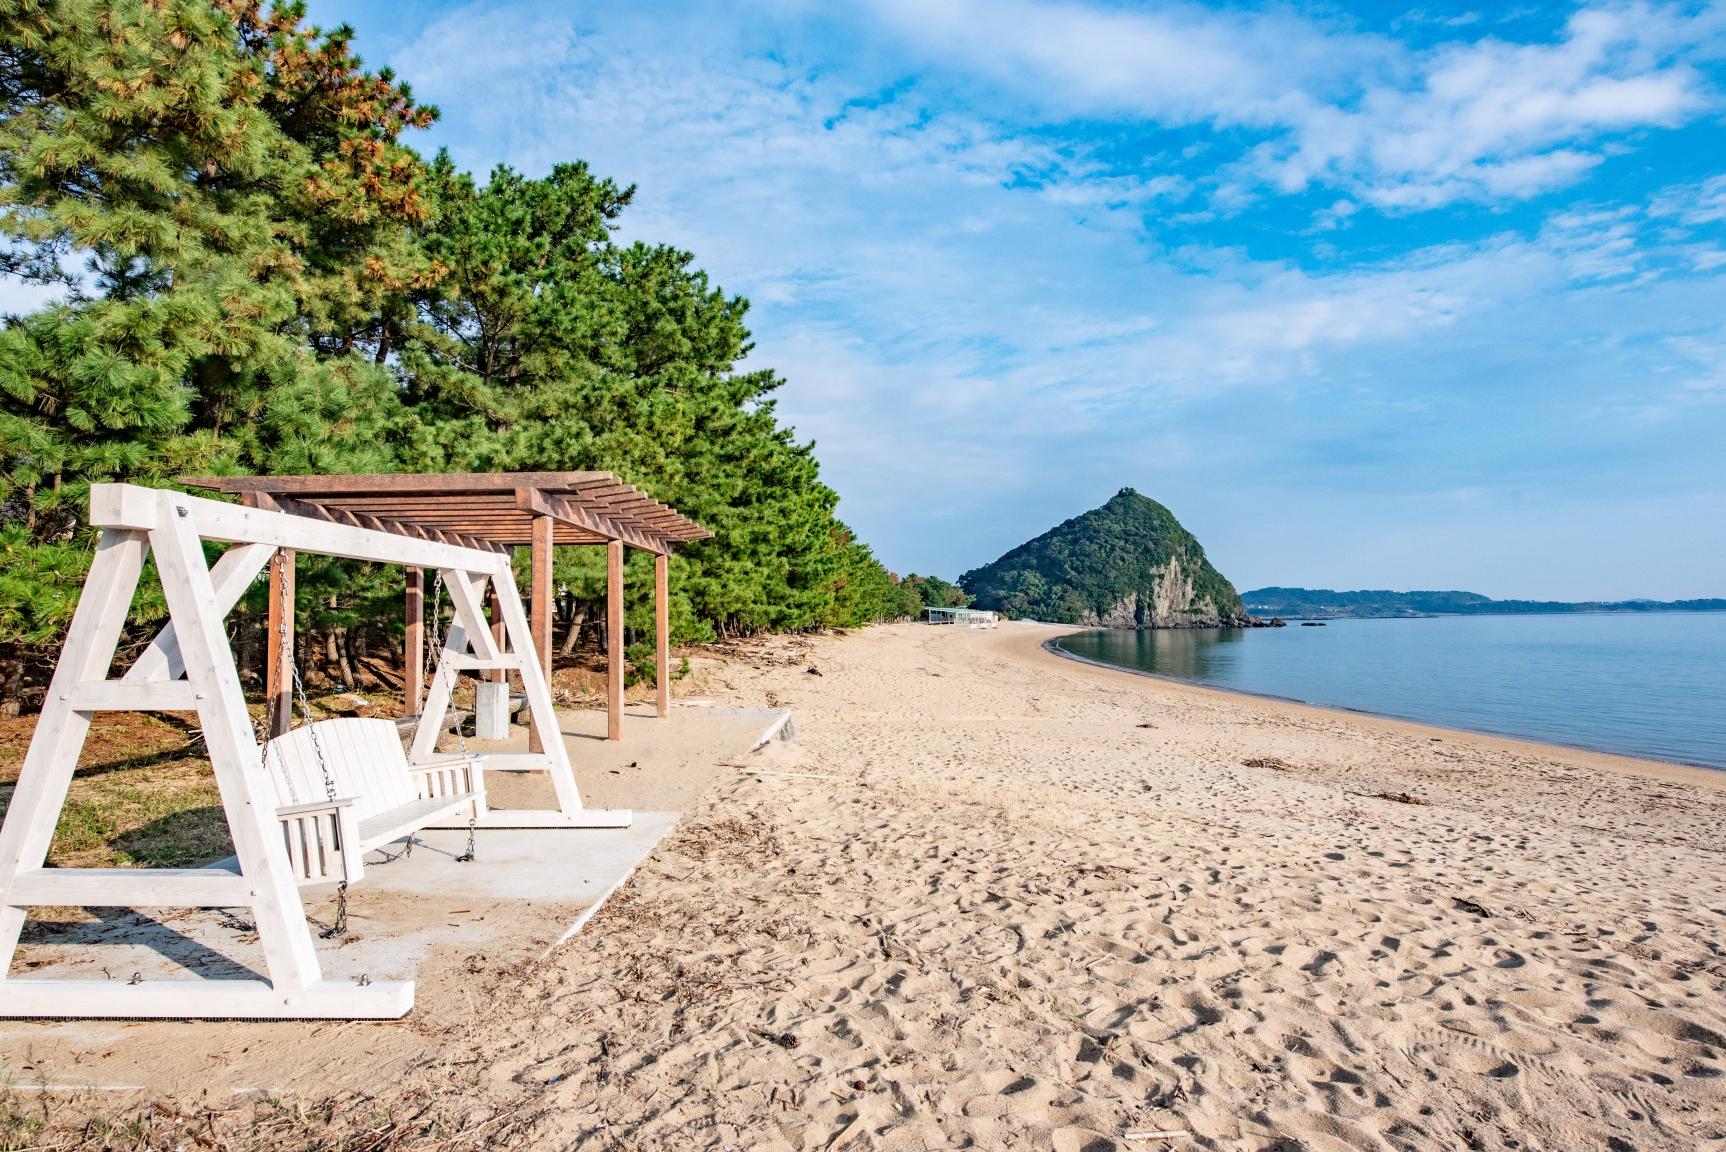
[[1322, 603], [1126, 564]]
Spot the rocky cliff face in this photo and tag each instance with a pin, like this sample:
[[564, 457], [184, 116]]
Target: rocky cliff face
[[1171, 603], [1127, 564]]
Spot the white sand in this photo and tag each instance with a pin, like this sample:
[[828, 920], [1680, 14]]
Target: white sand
[[981, 905]]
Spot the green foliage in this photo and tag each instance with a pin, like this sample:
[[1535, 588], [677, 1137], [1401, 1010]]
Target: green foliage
[[258, 276], [1087, 568], [550, 347], [934, 592]]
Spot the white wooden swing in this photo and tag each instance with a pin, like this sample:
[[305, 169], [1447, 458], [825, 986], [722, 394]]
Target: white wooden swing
[[190, 667], [368, 794]]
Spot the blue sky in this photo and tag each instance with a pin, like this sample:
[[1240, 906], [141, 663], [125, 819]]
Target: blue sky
[[1370, 295]]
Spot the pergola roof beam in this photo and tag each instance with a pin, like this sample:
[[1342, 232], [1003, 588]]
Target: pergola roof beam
[[488, 510]]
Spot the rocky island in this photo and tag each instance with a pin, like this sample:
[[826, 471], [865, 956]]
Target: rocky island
[[1126, 564]]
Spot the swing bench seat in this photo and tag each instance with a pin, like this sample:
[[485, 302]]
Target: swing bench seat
[[379, 797]]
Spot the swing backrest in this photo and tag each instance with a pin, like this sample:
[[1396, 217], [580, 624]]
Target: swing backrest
[[364, 758]]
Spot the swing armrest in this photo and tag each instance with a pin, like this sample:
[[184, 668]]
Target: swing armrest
[[314, 806], [451, 776], [323, 840]]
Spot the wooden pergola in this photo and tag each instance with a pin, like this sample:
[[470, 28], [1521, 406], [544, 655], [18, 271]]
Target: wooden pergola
[[489, 511]]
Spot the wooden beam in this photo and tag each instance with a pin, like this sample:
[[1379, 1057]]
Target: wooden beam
[[496, 675], [614, 640], [544, 528], [662, 632], [435, 484], [232, 575], [279, 645], [425, 497], [545, 504], [414, 642], [123, 505]]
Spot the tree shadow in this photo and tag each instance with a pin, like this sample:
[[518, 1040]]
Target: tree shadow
[[128, 928]]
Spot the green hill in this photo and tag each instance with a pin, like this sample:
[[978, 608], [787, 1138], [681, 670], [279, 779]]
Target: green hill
[[1128, 564]]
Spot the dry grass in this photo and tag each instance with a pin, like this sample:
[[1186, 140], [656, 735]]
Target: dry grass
[[143, 795]]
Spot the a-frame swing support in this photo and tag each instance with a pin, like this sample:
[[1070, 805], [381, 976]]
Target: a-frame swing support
[[190, 667]]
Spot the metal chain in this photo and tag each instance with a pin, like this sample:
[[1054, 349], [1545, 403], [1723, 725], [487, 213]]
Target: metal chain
[[305, 704], [437, 645], [340, 927]]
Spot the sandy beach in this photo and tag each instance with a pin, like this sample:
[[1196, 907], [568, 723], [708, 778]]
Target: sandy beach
[[992, 898]]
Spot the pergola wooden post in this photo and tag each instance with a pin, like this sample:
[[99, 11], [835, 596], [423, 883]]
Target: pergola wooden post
[[279, 645], [539, 592], [662, 631], [190, 667], [414, 642], [614, 640], [494, 512]]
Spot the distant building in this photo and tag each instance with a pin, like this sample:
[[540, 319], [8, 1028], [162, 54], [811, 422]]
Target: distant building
[[965, 617]]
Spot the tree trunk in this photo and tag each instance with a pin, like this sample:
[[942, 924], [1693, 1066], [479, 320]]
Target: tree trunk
[[343, 638], [246, 634], [11, 684], [573, 637]]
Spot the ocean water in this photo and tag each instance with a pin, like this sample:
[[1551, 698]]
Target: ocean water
[[1650, 685]]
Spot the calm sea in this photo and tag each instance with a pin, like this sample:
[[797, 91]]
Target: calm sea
[[1643, 685]]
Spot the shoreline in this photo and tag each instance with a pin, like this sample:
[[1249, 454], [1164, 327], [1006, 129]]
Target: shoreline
[[1051, 645], [1704, 774]]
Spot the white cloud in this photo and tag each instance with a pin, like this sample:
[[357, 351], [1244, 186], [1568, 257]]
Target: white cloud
[[1694, 205], [1400, 128], [966, 300]]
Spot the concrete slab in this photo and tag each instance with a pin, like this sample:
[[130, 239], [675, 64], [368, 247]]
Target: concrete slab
[[525, 892], [463, 932], [528, 889]]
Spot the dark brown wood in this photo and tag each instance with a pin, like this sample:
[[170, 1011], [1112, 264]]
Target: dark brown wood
[[413, 656], [490, 510], [582, 516], [614, 640], [496, 675], [429, 483], [279, 647], [539, 583], [662, 632]]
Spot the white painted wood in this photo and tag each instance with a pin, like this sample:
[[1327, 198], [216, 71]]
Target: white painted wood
[[541, 709], [234, 572], [206, 999], [467, 597], [121, 696], [60, 730], [119, 504], [233, 749], [399, 823], [278, 839], [434, 714], [131, 888], [377, 799]]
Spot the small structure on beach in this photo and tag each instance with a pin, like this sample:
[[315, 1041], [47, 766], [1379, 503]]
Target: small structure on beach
[[964, 617], [460, 527], [492, 511]]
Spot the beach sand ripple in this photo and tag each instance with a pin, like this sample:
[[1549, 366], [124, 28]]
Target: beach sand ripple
[[982, 904]]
